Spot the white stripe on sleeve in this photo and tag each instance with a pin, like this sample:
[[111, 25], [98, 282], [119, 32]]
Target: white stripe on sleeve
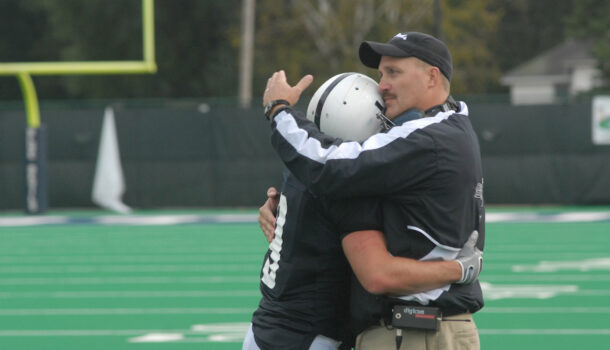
[[312, 148]]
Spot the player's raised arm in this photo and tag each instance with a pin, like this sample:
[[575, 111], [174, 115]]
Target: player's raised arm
[[331, 166]]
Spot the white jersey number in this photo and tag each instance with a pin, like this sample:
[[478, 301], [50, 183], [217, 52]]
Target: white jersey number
[[273, 261]]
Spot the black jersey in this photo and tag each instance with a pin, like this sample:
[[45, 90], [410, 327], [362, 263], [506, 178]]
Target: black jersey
[[427, 172], [305, 275]]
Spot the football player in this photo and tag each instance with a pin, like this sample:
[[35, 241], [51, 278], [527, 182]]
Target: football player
[[305, 279]]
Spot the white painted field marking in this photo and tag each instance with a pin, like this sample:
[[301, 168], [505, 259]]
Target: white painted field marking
[[598, 244], [555, 332], [157, 338], [126, 311], [221, 327], [546, 310], [178, 219], [214, 332], [36, 269], [554, 266], [595, 278], [581, 217], [33, 220], [154, 220], [510, 217], [495, 292], [132, 294], [133, 220], [532, 258], [168, 335], [127, 280], [547, 217], [113, 259], [69, 332]]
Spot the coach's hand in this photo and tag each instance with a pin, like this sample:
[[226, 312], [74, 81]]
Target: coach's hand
[[470, 259], [279, 89], [266, 213]]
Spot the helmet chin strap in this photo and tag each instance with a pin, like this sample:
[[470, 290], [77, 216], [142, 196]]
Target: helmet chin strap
[[386, 123]]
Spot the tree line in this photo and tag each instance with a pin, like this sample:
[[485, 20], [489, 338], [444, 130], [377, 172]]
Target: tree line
[[197, 41]]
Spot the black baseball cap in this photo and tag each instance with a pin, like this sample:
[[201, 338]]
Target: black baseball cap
[[409, 44]]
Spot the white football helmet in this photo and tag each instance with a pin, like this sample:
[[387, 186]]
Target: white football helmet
[[347, 106]]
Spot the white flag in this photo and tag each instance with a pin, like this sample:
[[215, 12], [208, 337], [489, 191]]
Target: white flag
[[108, 182]]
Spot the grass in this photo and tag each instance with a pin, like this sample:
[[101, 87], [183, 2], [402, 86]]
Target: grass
[[84, 285]]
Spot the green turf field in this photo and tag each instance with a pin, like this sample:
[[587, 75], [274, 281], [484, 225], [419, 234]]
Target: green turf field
[[168, 280]]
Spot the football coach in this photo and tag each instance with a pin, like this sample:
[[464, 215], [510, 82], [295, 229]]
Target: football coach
[[427, 172]]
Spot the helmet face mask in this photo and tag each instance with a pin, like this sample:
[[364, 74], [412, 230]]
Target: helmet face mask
[[347, 106]]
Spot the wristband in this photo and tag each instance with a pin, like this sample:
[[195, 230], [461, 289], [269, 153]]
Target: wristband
[[269, 107], [277, 111]]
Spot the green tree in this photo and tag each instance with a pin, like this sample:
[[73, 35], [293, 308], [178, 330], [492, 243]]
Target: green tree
[[322, 36], [590, 20], [197, 42], [468, 26], [21, 31], [527, 28], [195, 54]]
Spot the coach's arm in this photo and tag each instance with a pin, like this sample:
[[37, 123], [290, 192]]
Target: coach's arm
[[381, 273]]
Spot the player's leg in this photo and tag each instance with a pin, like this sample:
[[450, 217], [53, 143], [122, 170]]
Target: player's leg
[[249, 343], [324, 343]]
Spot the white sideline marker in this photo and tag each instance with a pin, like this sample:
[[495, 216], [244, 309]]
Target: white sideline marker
[[108, 181]]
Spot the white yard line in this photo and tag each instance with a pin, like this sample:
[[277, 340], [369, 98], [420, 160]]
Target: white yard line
[[132, 294], [546, 310], [129, 220], [68, 269], [122, 258], [233, 338], [127, 311], [553, 332], [558, 277], [127, 280], [493, 217], [178, 219]]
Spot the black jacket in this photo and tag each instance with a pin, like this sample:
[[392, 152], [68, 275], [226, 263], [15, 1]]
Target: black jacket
[[427, 171]]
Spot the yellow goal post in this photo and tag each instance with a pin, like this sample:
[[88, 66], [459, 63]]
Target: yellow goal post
[[35, 136], [24, 70]]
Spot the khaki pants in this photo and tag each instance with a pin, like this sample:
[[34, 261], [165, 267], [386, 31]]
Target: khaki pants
[[451, 335]]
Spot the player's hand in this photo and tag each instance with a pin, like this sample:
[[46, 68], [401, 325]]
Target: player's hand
[[266, 213], [278, 88], [470, 259]]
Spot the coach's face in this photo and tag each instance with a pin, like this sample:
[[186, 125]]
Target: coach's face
[[401, 84]]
